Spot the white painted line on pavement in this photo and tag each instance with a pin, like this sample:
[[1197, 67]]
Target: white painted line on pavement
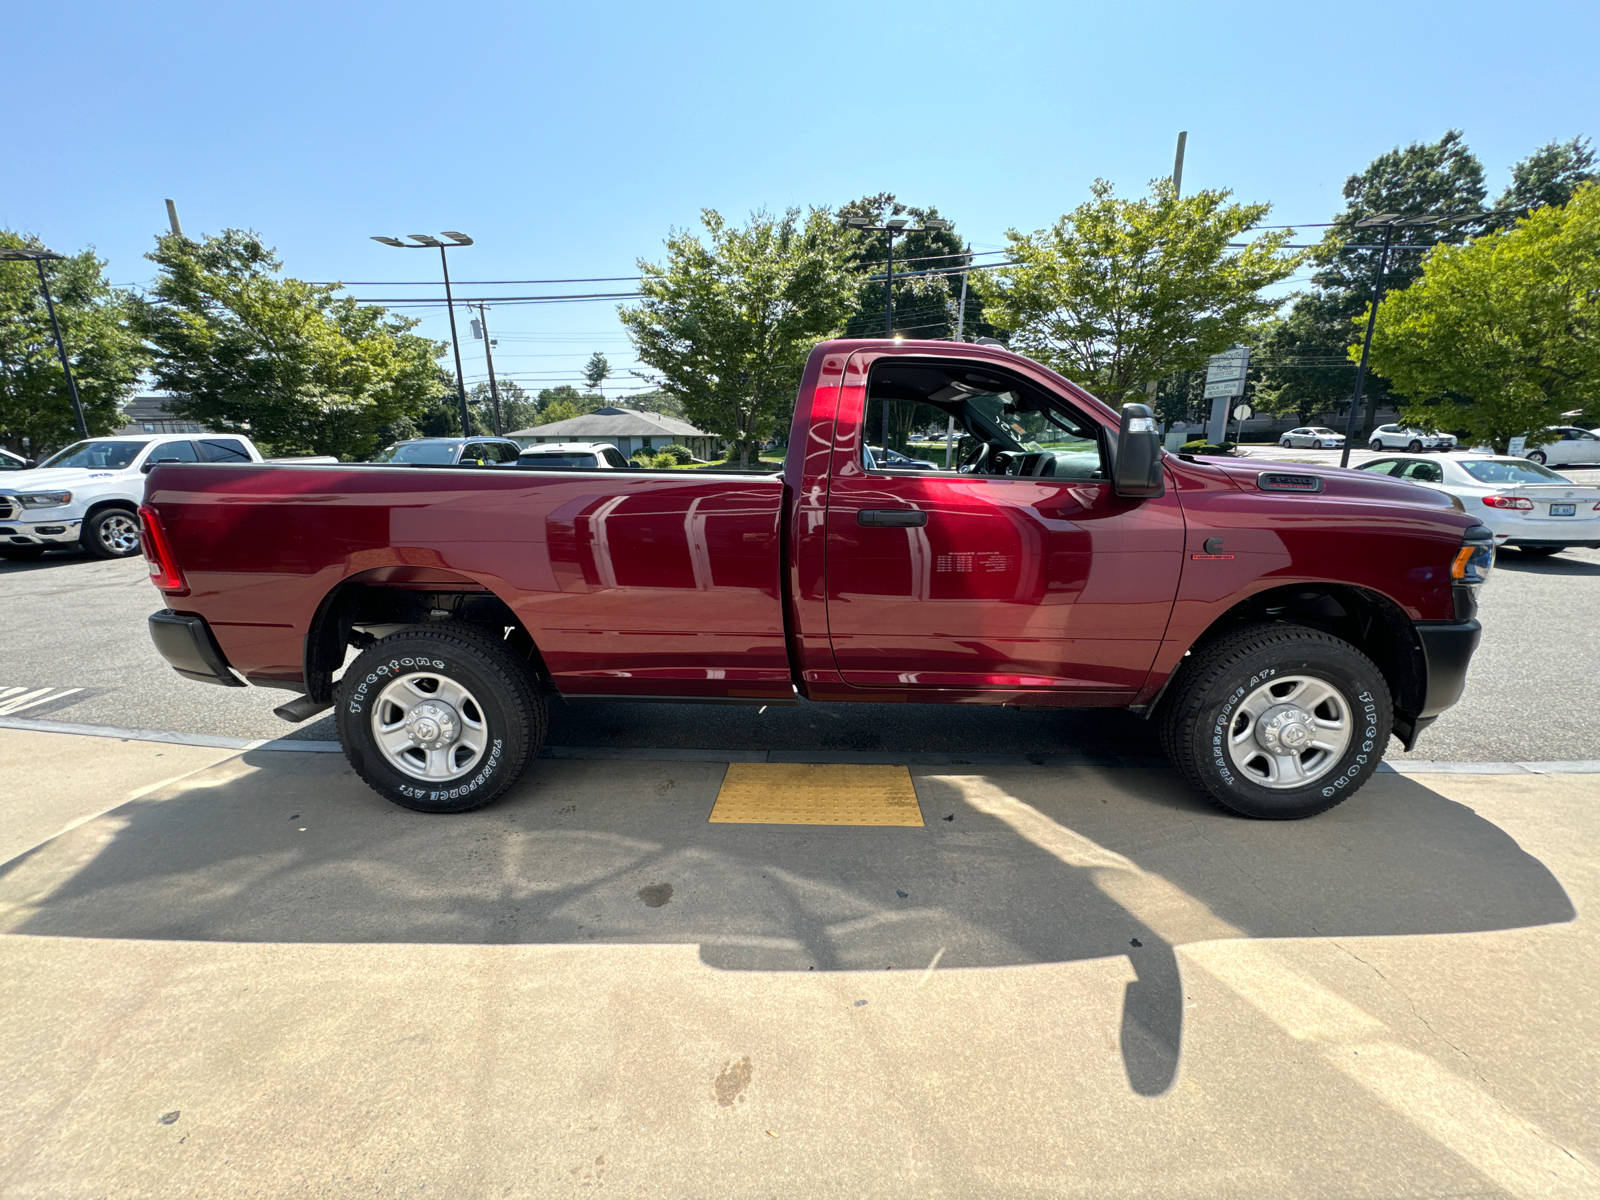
[[854, 757]]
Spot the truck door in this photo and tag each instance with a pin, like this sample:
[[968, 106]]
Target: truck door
[[1011, 565]]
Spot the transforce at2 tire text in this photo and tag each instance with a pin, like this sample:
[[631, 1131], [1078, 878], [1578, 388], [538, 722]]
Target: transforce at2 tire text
[[441, 718], [1277, 721]]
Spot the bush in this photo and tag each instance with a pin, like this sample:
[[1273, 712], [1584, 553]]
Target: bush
[[675, 452], [1204, 447]]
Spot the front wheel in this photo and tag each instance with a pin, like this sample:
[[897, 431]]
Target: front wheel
[[1414, 446], [111, 533], [1277, 721], [1316, 445], [1374, 444], [440, 718]]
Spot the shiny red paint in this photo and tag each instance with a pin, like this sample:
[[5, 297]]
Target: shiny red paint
[[748, 587]]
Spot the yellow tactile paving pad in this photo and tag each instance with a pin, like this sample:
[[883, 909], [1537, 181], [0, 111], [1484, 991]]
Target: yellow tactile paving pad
[[816, 794]]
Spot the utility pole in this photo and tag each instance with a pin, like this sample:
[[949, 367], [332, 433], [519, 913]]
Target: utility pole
[[172, 219], [1387, 220], [488, 353], [1177, 165]]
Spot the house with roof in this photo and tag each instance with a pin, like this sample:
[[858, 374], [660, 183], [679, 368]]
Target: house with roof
[[628, 429]]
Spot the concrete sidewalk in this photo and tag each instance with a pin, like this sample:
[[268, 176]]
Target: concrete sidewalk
[[259, 978]]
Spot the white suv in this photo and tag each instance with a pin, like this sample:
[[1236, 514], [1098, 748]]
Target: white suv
[[1403, 437], [89, 493]]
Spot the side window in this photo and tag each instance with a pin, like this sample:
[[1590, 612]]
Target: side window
[[1380, 466], [506, 452], [1423, 472], [223, 450], [971, 418], [614, 457], [174, 452]]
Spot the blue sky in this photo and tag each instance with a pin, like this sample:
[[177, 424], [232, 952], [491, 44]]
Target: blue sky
[[568, 139]]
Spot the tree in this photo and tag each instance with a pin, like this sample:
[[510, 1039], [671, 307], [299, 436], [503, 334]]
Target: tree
[[1426, 179], [1502, 337], [927, 283], [518, 410], [1548, 176], [294, 364], [726, 326], [1122, 292], [558, 410], [657, 401], [106, 356], [596, 370]]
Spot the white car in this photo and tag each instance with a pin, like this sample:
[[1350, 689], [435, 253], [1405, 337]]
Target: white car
[[89, 493], [1524, 504], [571, 456], [14, 462], [1404, 437], [1316, 437], [1573, 448]]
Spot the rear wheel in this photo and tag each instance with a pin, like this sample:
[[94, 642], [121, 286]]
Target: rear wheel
[[21, 553], [440, 718], [111, 533], [1537, 456], [1277, 721]]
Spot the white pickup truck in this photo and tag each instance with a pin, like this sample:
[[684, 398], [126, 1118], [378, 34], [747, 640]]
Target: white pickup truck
[[89, 493]]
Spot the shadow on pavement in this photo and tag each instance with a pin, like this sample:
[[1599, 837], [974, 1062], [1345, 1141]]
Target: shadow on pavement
[[1556, 564], [1016, 866]]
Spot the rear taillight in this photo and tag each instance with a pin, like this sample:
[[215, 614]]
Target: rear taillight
[[1520, 503], [164, 572]]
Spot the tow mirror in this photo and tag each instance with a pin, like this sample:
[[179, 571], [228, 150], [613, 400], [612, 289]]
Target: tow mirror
[[1136, 458]]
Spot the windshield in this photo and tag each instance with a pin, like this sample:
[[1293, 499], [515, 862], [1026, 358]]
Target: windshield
[[428, 453], [1522, 471], [97, 456]]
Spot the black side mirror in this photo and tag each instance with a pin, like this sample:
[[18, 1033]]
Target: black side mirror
[[1136, 458], [28, 464]]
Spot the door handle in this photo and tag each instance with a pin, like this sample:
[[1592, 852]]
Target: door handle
[[891, 518]]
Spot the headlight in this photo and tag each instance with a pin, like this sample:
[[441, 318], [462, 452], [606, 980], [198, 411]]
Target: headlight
[[44, 499]]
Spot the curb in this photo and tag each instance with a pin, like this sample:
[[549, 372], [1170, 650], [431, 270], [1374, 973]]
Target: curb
[[858, 758]]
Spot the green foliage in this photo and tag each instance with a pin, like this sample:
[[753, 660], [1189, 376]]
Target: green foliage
[[656, 401], [726, 326], [1201, 446], [292, 363], [1120, 292], [663, 457], [1501, 337], [1548, 176], [518, 410], [924, 305], [1307, 368], [106, 356], [596, 370], [557, 410], [676, 452]]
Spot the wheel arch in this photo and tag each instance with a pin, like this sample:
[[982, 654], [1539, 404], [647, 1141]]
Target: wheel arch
[[1368, 620], [355, 611], [99, 506]]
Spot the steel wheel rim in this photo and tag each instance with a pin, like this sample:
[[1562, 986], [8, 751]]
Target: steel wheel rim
[[1290, 732], [120, 534], [430, 727]]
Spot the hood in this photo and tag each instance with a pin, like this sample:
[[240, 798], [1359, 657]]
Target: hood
[[1337, 483], [57, 479]]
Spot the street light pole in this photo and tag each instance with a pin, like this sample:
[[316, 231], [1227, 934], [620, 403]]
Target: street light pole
[[422, 241], [898, 225], [38, 257]]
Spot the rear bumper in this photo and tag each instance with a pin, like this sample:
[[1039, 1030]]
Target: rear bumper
[[188, 646], [1447, 647], [39, 533]]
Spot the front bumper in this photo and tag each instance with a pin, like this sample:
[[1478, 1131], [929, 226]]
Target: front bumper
[[1447, 647], [186, 642], [40, 533]]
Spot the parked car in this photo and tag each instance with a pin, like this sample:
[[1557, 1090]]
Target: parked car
[[1405, 437], [14, 462], [89, 493], [893, 460], [449, 452], [1572, 447], [1524, 504], [1279, 624], [571, 456], [1315, 437]]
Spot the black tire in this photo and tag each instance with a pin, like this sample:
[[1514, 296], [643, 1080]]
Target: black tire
[[1375, 444], [511, 710], [1541, 551], [1537, 456], [1414, 446], [111, 533], [22, 553], [1316, 443], [1202, 706]]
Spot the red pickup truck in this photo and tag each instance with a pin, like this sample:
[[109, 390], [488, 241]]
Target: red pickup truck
[[1278, 621]]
